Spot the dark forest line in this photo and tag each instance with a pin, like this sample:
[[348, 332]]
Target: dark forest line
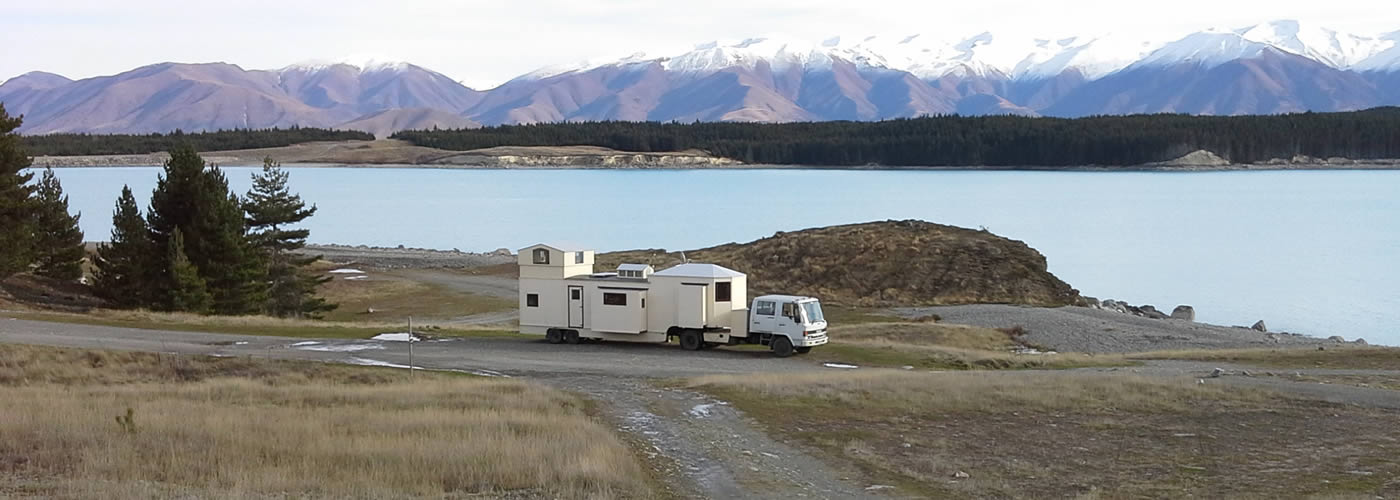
[[1003, 141], [221, 140]]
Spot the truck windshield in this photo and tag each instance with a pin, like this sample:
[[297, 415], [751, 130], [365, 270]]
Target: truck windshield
[[814, 311]]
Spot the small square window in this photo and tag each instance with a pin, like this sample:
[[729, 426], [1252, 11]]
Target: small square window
[[541, 256], [532, 300], [722, 291], [575, 294], [578, 257]]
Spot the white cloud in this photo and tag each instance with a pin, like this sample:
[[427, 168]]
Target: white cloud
[[484, 43]]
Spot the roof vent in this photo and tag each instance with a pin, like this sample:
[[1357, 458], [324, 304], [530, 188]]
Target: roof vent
[[634, 271]]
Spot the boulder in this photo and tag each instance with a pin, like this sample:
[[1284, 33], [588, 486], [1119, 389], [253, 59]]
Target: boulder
[[1259, 326], [1271, 338], [1149, 311], [1337, 338], [503, 252], [1184, 312], [1359, 341]]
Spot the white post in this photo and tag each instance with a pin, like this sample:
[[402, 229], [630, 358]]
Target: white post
[[410, 347]]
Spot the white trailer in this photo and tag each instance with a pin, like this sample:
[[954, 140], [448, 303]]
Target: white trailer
[[700, 305]]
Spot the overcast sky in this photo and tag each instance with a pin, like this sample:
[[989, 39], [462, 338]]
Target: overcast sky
[[483, 43]]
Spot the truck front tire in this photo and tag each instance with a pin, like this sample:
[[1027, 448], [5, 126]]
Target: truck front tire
[[782, 347], [804, 350], [691, 341]]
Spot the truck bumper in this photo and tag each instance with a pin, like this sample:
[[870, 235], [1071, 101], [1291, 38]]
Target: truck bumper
[[810, 340]]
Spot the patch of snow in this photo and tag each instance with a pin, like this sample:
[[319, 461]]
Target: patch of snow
[[241, 342], [840, 365], [356, 278], [375, 362], [1206, 49], [341, 347], [701, 410], [396, 337], [309, 342], [878, 487], [346, 271]]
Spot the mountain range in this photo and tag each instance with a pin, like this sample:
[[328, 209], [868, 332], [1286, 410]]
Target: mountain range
[[1275, 67]]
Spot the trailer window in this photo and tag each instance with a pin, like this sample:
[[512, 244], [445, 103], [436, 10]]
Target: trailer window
[[541, 255], [614, 299], [722, 291], [764, 308], [575, 294], [578, 257], [532, 300]]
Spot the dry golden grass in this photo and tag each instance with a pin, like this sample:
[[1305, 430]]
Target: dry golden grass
[[1334, 356], [206, 427], [395, 299], [942, 346], [918, 392], [1066, 435]]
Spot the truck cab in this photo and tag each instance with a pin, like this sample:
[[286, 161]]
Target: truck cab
[[787, 323]]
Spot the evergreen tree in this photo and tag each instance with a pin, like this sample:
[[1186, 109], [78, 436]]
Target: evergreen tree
[[58, 245], [272, 210], [124, 265], [187, 290], [16, 204], [196, 200]]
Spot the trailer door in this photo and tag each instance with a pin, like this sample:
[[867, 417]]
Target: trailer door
[[575, 307], [690, 306]]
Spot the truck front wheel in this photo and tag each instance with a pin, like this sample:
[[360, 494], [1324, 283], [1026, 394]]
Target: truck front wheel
[[691, 341], [782, 347], [804, 350]]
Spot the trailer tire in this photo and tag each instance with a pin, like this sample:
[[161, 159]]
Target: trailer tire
[[553, 336], [804, 350], [782, 347], [691, 340], [571, 337]]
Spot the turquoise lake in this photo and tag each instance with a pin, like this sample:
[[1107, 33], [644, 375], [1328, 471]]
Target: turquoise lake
[[1315, 252]]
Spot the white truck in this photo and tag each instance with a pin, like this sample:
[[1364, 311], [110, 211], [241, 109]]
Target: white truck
[[699, 305]]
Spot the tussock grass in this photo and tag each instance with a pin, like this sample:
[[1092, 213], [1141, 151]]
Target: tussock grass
[[1334, 356], [942, 346], [240, 428], [917, 392], [1071, 435], [395, 298]]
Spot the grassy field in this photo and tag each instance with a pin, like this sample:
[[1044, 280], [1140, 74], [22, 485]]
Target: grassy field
[[930, 345], [250, 325], [1013, 435], [237, 428], [394, 298], [1333, 357]]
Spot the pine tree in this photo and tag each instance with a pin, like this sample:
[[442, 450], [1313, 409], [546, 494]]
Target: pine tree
[[271, 211], [124, 265], [58, 244], [187, 290], [196, 200], [16, 203]]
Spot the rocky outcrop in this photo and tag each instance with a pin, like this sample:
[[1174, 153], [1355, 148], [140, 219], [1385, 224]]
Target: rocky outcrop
[[1259, 326], [881, 264], [1184, 312]]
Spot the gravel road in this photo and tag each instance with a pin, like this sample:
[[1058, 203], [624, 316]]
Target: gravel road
[[1081, 329]]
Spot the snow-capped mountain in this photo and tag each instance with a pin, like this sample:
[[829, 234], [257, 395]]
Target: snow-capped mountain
[[1274, 67]]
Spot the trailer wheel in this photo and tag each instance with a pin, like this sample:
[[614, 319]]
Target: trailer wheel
[[553, 336], [691, 341], [804, 350], [571, 337], [782, 347]]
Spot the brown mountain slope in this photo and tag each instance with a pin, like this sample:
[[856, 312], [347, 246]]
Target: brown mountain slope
[[385, 123], [891, 263]]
